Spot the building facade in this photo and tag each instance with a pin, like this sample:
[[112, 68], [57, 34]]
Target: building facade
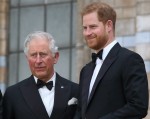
[[62, 19]]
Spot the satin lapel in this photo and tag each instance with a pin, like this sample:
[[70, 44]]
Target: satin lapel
[[105, 66], [33, 99], [86, 79], [62, 92]]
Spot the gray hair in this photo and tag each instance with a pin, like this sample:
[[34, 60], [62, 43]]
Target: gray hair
[[53, 48]]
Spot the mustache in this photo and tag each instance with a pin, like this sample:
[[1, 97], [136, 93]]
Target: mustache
[[90, 36]]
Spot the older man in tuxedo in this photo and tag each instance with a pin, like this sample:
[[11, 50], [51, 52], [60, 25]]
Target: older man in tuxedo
[[45, 94]]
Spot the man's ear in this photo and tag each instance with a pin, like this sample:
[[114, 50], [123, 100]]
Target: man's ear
[[56, 57], [109, 26]]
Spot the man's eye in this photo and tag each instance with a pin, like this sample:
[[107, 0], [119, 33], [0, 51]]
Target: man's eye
[[93, 27], [43, 55], [33, 55], [84, 28]]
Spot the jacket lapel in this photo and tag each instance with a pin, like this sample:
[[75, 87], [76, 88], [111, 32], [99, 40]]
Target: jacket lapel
[[111, 57], [86, 79], [33, 99], [62, 92]]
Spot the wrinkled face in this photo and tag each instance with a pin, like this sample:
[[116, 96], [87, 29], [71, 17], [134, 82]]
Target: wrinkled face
[[40, 59], [94, 31]]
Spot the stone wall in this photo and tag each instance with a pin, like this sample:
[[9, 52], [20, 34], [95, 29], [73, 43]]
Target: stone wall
[[132, 31], [3, 40]]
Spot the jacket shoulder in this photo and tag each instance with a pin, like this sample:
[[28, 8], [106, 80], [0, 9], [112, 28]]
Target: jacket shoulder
[[15, 87]]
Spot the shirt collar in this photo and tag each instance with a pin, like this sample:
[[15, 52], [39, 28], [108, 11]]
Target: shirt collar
[[107, 49]]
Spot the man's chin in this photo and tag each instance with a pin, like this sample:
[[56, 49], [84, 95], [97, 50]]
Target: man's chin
[[40, 75], [92, 47]]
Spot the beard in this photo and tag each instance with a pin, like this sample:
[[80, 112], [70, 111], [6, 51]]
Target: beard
[[96, 42]]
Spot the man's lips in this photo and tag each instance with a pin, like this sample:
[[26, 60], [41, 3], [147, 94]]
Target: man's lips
[[39, 68], [90, 39]]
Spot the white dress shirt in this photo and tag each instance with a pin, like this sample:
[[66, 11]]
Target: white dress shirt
[[95, 73], [47, 95], [99, 63]]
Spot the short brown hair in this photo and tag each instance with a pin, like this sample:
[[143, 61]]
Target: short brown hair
[[104, 12]]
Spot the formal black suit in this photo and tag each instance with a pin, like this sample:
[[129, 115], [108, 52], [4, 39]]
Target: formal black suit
[[23, 101], [120, 90]]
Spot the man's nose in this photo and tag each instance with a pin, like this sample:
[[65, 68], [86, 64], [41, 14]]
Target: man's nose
[[87, 32], [38, 58]]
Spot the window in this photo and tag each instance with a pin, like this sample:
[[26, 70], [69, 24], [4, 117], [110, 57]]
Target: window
[[57, 17]]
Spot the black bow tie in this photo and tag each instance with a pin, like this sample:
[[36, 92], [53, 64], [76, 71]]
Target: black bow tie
[[41, 83], [99, 55]]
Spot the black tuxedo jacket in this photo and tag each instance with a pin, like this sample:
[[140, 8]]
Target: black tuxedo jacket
[[23, 101], [120, 90]]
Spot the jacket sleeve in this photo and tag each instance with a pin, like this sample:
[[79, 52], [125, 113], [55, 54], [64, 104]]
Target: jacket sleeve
[[7, 105]]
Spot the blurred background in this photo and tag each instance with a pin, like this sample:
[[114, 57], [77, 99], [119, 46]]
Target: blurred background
[[62, 19]]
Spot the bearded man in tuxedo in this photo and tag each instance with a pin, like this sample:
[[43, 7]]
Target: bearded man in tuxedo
[[114, 84]]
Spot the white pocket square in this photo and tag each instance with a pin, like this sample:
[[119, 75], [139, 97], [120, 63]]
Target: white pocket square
[[73, 101]]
